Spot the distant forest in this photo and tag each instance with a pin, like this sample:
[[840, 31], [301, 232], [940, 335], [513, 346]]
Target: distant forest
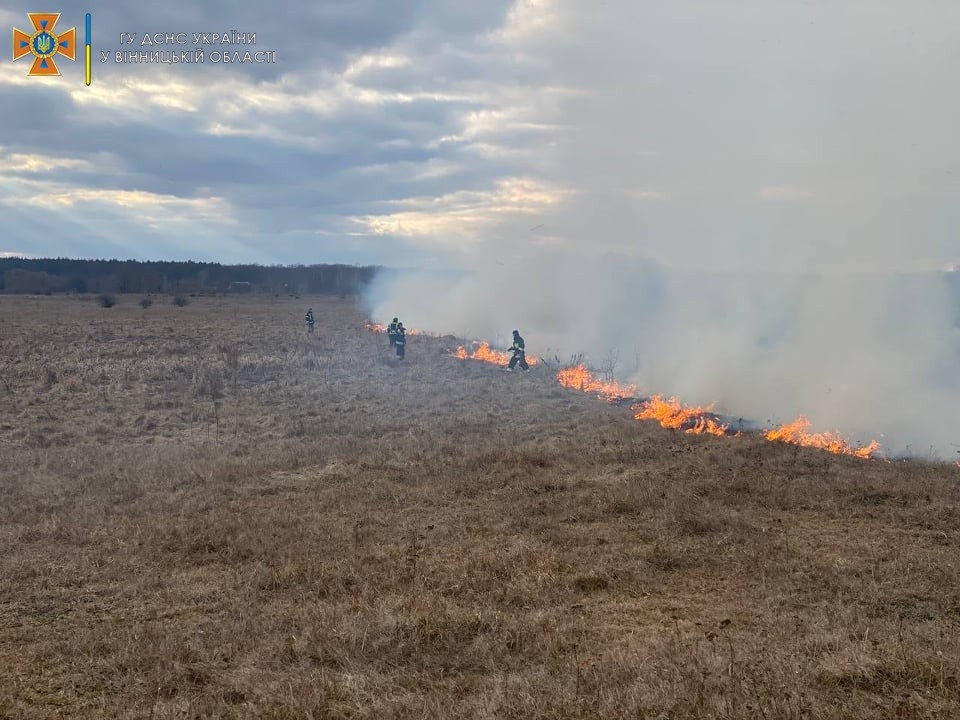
[[62, 275]]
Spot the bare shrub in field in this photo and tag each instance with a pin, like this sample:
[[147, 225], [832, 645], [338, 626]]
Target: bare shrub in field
[[145, 303], [230, 355], [207, 514], [106, 301], [609, 365], [181, 301], [208, 380]]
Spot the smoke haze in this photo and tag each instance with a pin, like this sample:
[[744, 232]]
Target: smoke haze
[[759, 201]]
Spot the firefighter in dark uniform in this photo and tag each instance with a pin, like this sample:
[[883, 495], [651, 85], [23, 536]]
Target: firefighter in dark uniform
[[519, 350], [392, 332], [400, 340], [308, 319]]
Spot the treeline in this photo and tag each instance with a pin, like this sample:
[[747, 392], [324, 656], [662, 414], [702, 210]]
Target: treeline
[[58, 275]]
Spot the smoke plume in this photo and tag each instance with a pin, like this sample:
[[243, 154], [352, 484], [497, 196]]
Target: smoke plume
[[763, 201]]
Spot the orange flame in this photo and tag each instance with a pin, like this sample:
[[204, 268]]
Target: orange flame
[[579, 378], [797, 433], [672, 414], [486, 354], [380, 328]]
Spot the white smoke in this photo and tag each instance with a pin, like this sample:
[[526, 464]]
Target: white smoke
[[763, 193]]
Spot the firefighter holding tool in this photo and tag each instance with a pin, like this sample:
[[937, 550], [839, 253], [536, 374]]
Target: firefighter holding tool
[[519, 350]]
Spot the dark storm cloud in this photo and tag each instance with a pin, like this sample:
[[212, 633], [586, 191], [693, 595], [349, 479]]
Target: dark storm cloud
[[173, 157], [312, 34], [315, 35], [26, 119], [370, 102]]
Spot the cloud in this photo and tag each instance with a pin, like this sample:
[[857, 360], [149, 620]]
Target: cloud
[[465, 215], [148, 208], [375, 61], [527, 19], [388, 106], [36, 163]]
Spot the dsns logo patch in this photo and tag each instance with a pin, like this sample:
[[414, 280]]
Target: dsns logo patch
[[44, 44]]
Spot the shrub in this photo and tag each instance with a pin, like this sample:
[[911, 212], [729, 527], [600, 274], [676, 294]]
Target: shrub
[[180, 301], [145, 303], [107, 301], [208, 381]]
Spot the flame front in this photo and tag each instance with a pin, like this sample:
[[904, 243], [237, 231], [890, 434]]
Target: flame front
[[380, 328], [797, 433], [672, 414], [579, 378], [486, 354]]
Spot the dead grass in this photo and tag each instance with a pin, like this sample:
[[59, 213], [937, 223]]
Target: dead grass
[[207, 513]]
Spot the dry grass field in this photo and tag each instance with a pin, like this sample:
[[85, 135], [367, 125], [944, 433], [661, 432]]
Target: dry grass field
[[207, 513]]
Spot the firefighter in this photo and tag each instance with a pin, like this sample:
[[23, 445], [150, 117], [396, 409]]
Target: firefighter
[[308, 319], [519, 352], [392, 332], [400, 340]]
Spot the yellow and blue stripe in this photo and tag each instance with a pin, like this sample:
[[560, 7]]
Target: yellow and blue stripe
[[88, 49]]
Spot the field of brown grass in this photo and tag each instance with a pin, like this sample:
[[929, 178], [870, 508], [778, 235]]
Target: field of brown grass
[[207, 513]]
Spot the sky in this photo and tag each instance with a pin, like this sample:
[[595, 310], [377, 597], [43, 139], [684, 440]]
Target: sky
[[739, 199], [384, 132], [437, 132]]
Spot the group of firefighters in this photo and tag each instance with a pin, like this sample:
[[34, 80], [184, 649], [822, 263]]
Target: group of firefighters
[[398, 339]]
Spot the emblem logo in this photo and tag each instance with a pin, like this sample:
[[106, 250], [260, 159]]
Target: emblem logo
[[44, 44]]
